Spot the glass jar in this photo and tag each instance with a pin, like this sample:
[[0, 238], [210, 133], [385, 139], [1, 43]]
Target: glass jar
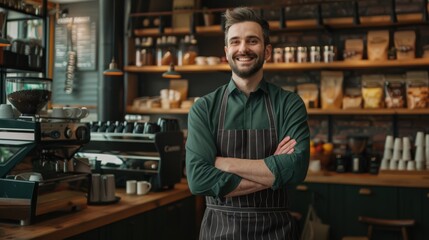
[[278, 55], [289, 54], [314, 54], [301, 54]]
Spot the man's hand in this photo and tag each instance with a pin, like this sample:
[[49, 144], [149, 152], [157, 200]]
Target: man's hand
[[286, 146]]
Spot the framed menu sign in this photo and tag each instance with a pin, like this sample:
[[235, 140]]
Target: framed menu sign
[[78, 34]]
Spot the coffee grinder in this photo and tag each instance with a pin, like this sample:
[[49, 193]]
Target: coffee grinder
[[357, 145]]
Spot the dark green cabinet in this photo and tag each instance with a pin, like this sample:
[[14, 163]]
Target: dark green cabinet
[[302, 195], [371, 201], [340, 206], [414, 204], [173, 221]]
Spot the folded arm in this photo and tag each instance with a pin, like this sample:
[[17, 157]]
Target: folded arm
[[254, 170]]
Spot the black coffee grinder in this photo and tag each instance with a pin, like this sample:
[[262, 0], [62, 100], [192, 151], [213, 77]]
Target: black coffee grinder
[[357, 153]]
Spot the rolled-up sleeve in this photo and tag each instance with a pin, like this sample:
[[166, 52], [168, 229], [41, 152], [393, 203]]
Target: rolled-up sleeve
[[203, 177], [292, 168]]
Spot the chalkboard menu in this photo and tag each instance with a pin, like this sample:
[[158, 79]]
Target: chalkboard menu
[[77, 34]]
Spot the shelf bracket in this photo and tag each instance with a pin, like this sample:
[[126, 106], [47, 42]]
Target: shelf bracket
[[282, 24], [425, 6], [356, 17], [192, 27], [261, 12], [393, 16], [319, 15], [161, 27]]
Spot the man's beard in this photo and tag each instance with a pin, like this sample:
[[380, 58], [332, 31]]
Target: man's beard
[[248, 72]]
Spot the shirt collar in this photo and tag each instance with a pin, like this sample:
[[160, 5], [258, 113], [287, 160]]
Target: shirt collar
[[261, 87]]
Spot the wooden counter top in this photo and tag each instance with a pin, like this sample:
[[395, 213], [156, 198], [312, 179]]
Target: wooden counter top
[[388, 179], [70, 224]]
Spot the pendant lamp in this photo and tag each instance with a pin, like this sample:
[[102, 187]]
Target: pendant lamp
[[171, 73], [113, 67]]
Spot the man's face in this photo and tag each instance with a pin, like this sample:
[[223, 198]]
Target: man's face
[[245, 49]]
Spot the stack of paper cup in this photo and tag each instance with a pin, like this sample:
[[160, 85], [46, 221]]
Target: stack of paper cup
[[420, 157], [427, 151], [397, 152], [388, 148], [406, 153], [406, 149]]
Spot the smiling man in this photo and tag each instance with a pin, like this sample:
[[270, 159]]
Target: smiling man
[[246, 142]]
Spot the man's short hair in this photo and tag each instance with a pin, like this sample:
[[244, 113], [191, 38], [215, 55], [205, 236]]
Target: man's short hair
[[245, 14]]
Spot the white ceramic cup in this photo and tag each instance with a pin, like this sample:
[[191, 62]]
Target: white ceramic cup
[[57, 115], [315, 166], [35, 177], [131, 187], [75, 112], [6, 111], [143, 187]]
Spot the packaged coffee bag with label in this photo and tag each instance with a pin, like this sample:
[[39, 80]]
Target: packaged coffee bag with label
[[417, 89], [353, 49], [405, 44], [352, 98], [309, 92], [372, 91], [378, 43], [394, 90], [331, 88]]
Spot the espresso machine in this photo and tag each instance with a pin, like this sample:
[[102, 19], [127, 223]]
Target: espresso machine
[[38, 172]]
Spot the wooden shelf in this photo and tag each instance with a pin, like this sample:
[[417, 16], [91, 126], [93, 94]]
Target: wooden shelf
[[132, 110], [383, 111], [337, 65], [299, 25]]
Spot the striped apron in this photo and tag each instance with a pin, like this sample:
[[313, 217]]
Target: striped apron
[[259, 215]]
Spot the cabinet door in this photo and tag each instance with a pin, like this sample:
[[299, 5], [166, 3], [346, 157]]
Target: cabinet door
[[414, 204], [371, 201], [304, 194], [177, 220]]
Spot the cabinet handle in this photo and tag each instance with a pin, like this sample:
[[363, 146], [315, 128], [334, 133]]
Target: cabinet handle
[[303, 188], [365, 191]]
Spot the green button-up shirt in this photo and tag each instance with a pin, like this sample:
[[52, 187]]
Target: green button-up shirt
[[245, 113]]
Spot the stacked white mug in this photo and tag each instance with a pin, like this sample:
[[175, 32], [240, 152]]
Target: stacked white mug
[[388, 148], [397, 152], [420, 151]]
